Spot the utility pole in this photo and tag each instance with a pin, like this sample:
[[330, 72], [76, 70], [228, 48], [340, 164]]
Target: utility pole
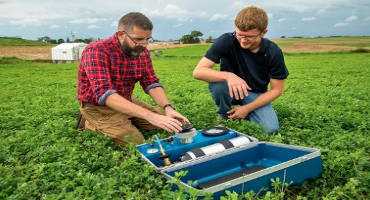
[[73, 36]]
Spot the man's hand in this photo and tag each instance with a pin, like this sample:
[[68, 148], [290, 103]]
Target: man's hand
[[238, 88], [164, 122], [239, 112], [170, 112]]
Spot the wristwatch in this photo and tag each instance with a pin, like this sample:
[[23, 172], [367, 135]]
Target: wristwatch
[[168, 105]]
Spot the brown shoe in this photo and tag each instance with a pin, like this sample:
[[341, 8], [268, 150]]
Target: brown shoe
[[80, 125]]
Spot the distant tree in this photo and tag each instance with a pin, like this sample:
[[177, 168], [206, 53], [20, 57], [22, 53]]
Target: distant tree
[[60, 41], [88, 40], [193, 37], [52, 41], [45, 39], [209, 39], [187, 39], [196, 34], [79, 40], [68, 40]]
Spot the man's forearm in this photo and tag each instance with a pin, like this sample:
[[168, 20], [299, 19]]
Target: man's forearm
[[209, 75], [263, 99], [120, 104], [159, 96]]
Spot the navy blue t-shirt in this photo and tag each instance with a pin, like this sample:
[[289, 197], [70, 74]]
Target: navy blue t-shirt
[[255, 68]]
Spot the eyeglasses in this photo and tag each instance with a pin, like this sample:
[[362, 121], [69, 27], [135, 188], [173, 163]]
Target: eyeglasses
[[139, 41], [246, 37]]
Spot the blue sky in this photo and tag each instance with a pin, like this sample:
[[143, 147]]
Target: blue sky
[[172, 19]]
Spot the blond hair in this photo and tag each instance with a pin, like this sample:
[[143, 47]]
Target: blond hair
[[250, 18]]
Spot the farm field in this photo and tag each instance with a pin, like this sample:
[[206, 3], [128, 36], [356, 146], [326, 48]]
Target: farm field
[[31, 50], [325, 105]]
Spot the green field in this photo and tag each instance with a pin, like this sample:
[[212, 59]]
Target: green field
[[325, 105], [14, 41]]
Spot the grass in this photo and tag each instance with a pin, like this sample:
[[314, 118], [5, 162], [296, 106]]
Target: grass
[[15, 41], [326, 105]]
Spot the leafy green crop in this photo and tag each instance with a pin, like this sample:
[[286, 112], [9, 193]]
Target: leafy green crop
[[14, 41], [326, 105]]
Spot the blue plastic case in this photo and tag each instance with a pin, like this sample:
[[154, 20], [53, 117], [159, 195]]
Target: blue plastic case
[[239, 169]]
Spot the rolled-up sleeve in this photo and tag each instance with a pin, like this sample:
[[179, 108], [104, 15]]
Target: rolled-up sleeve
[[149, 79], [97, 63]]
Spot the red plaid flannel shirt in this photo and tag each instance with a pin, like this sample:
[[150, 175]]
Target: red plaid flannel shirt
[[105, 69]]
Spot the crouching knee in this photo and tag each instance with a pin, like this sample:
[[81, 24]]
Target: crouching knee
[[270, 127]]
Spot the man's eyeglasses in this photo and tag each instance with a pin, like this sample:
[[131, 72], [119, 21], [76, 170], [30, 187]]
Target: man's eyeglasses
[[246, 37], [139, 41]]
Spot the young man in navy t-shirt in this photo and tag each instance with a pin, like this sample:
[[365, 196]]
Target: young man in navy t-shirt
[[248, 64]]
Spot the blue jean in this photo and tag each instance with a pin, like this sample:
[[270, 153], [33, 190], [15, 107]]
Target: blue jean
[[265, 115]]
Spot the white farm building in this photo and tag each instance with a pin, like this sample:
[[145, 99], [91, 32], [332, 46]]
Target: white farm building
[[67, 52]]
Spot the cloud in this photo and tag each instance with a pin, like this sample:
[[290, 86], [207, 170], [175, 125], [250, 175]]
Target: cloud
[[93, 26], [367, 19], [281, 19], [177, 25], [321, 11], [308, 19], [351, 18], [346, 21], [22, 10], [54, 26], [26, 22], [203, 14], [114, 24], [340, 24], [169, 11], [217, 17], [238, 5], [270, 15], [87, 20]]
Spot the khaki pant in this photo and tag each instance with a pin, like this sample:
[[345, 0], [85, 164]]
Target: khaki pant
[[120, 127]]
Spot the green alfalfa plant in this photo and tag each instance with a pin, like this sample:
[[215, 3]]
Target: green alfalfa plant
[[278, 191], [184, 192], [348, 191], [230, 195], [280, 187]]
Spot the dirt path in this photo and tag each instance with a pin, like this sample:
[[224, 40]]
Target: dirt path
[[26, 52], [303, 47]]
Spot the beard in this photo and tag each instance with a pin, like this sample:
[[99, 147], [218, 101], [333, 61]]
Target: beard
[[132, 51]]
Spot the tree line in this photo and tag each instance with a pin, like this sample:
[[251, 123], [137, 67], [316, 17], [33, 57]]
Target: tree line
[[192, 38], [47, 39]]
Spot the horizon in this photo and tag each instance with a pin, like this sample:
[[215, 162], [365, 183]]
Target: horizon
[[171, 40]]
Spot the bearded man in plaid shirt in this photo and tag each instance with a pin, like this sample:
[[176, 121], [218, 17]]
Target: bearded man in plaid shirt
[[107, 75]]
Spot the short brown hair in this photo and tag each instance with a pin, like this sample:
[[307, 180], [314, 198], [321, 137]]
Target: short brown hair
[[128, 21], [250, 18]]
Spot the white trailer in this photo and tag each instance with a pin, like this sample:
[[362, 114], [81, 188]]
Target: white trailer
[[67, 52]]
